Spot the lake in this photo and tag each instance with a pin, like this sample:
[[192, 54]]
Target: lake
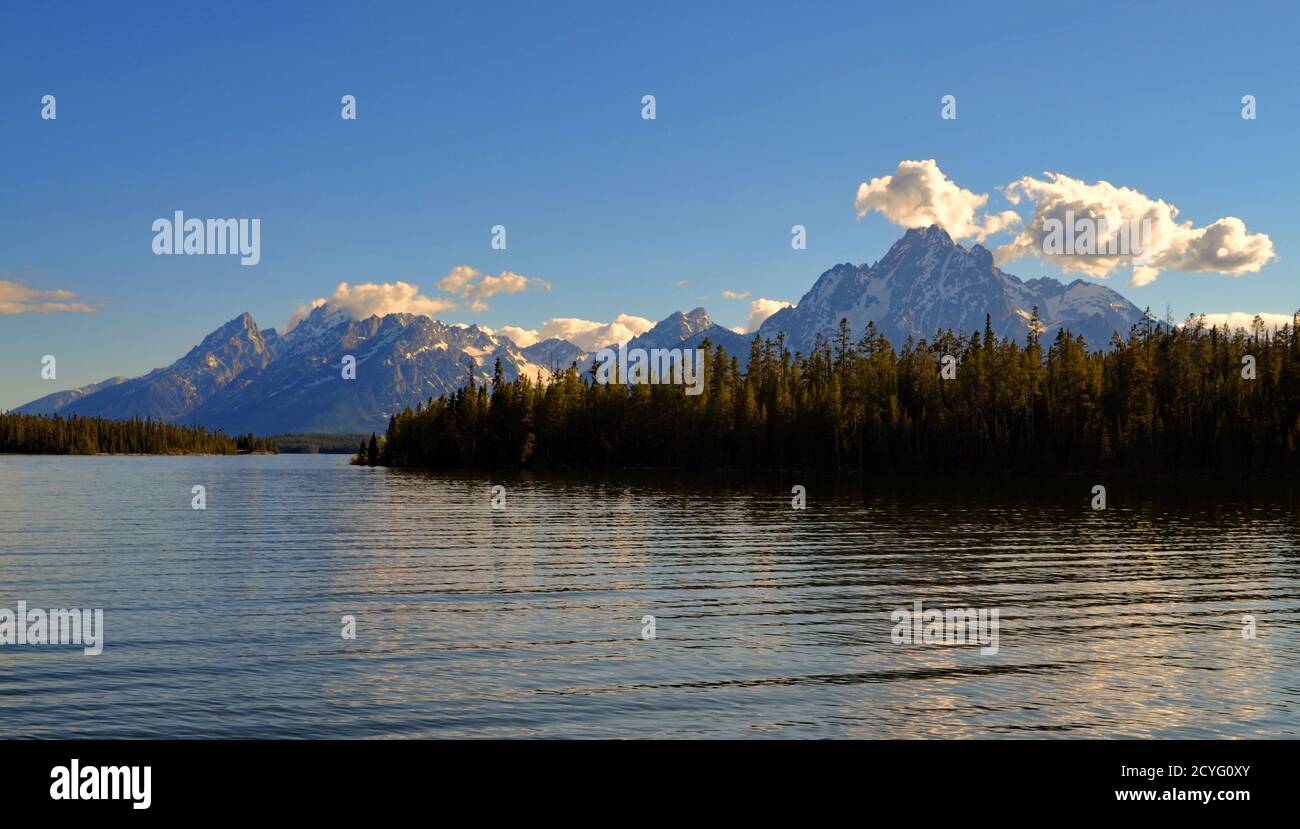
[[527, 621]]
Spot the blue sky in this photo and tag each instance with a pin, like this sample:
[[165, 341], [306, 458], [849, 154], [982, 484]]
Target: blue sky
[[530, 117]]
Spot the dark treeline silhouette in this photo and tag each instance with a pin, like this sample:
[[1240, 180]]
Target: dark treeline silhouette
[[1161, 400], [369, 454], [55, 435], [316, 443]]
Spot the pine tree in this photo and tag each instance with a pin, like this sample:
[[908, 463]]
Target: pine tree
[[1161, 399]]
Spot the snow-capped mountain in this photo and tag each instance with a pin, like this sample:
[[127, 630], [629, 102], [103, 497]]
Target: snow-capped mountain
[[926, 283], [680, 329], [401, 360], [672, 330], [553, 354], [241, 379], [232, 354], [690, 330]]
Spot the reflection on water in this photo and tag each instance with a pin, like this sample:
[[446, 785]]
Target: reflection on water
[[527, 621]]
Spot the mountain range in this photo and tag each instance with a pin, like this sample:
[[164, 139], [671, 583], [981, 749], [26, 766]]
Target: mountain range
[[244, 379]]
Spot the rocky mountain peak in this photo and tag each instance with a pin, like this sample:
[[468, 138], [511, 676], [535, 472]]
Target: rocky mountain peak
[[926, 283]]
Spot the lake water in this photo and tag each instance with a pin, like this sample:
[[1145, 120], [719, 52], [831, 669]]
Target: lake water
[[527, 621]]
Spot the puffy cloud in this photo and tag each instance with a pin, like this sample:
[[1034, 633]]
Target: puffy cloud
[[17, 298], [474, 286], [1225, 246], [300, 313], [369, 299], [594, 335], [1242, 319], [918, 194], [760, 309], [735, 294], [585, 334], [522, 337], [681, 283]]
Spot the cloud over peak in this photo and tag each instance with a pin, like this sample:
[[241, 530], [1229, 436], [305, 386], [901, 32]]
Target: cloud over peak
[[585, 334], [381, 298], [373, 299], [918, 194], [760, 309]]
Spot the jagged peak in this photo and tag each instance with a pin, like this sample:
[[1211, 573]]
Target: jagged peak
[[918, 242], [242, 324], [694, 318], [244, 320], [932, 234]]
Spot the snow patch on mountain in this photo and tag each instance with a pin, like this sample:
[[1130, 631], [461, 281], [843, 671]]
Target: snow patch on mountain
[[927, 283]]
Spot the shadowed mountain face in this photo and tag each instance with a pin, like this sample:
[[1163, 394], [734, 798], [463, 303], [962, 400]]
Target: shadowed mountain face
[[682, 330], [242, 379], [228, 357], [401, 360], [671, 331], [926, 283], [554, 354], [736, 345], [53, 403]]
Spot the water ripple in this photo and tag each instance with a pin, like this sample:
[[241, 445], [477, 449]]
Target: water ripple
[[526, 622]]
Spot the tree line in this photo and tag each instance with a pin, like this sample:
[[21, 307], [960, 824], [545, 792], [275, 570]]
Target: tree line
[[316, 443], [56, 435], [1161, 400]]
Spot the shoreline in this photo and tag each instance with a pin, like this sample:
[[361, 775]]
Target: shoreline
[[137, 454]]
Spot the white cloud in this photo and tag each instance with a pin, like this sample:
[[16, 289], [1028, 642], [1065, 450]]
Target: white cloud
[[17, 298], [585, 334], [681, 283], [918, 194], [1243, 319], [760, 309], [522, 337], [474, 286], [735, 294], [1224, 247], [370, 299]]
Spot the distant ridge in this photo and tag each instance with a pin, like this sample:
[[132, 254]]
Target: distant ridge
[[243, 379]]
